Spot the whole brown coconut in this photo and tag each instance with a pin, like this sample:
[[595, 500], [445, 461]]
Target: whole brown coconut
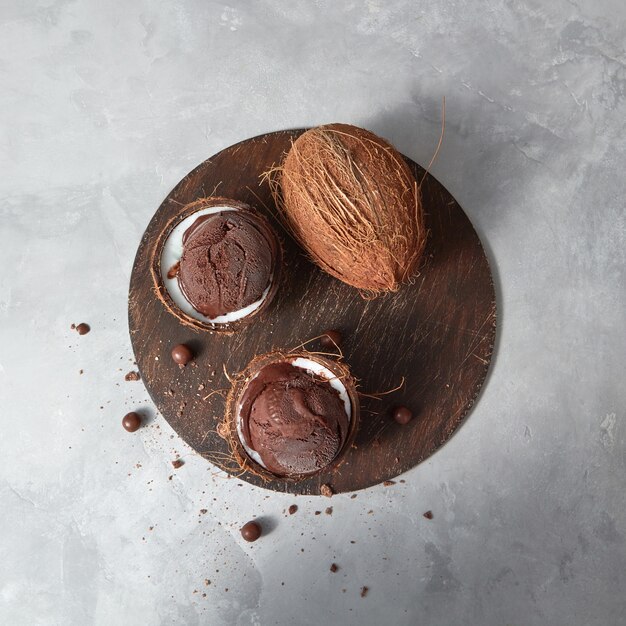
[[351, 201]]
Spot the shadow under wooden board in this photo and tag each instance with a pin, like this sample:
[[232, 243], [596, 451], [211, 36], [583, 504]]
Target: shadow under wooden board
[[437, 333]]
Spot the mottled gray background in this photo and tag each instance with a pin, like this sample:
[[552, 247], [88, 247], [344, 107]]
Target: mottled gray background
[[105, 105]]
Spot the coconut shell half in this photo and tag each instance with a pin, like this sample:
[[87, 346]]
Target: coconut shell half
[[197, 321], [229, 427]]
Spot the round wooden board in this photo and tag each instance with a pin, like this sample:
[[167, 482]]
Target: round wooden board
[[437, 333]]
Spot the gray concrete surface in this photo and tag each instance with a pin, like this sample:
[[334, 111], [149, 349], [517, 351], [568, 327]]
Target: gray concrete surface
[[105, 105]]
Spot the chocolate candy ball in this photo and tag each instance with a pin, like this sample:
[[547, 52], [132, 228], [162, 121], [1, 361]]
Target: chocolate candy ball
[[251, 531], [131, 422], [331, 339], [182, 354], [402, 415]]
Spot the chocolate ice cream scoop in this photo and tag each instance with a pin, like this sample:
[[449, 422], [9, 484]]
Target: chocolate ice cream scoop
[[295, 420], [227, 262]]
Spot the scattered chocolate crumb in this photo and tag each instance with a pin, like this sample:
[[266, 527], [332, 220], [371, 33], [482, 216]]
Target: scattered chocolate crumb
[[80, 371], [132, 376], [170, 477], [177, 463], [73, 326], [329, 510], [353, 496], [388, 483], [364, 591], [326, 490], [428, 515], [293, 508], [334, 568], [82, 328], [318, 512], [207, 582], [173, 271], [203, 511]]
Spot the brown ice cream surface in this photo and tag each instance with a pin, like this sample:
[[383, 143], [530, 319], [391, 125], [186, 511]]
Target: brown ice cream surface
[[295, 421], [227, 262]]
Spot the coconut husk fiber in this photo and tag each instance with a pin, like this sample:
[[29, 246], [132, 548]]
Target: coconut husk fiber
[[351, 201]]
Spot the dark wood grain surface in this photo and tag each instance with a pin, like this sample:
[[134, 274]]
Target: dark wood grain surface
[[437, 333]]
